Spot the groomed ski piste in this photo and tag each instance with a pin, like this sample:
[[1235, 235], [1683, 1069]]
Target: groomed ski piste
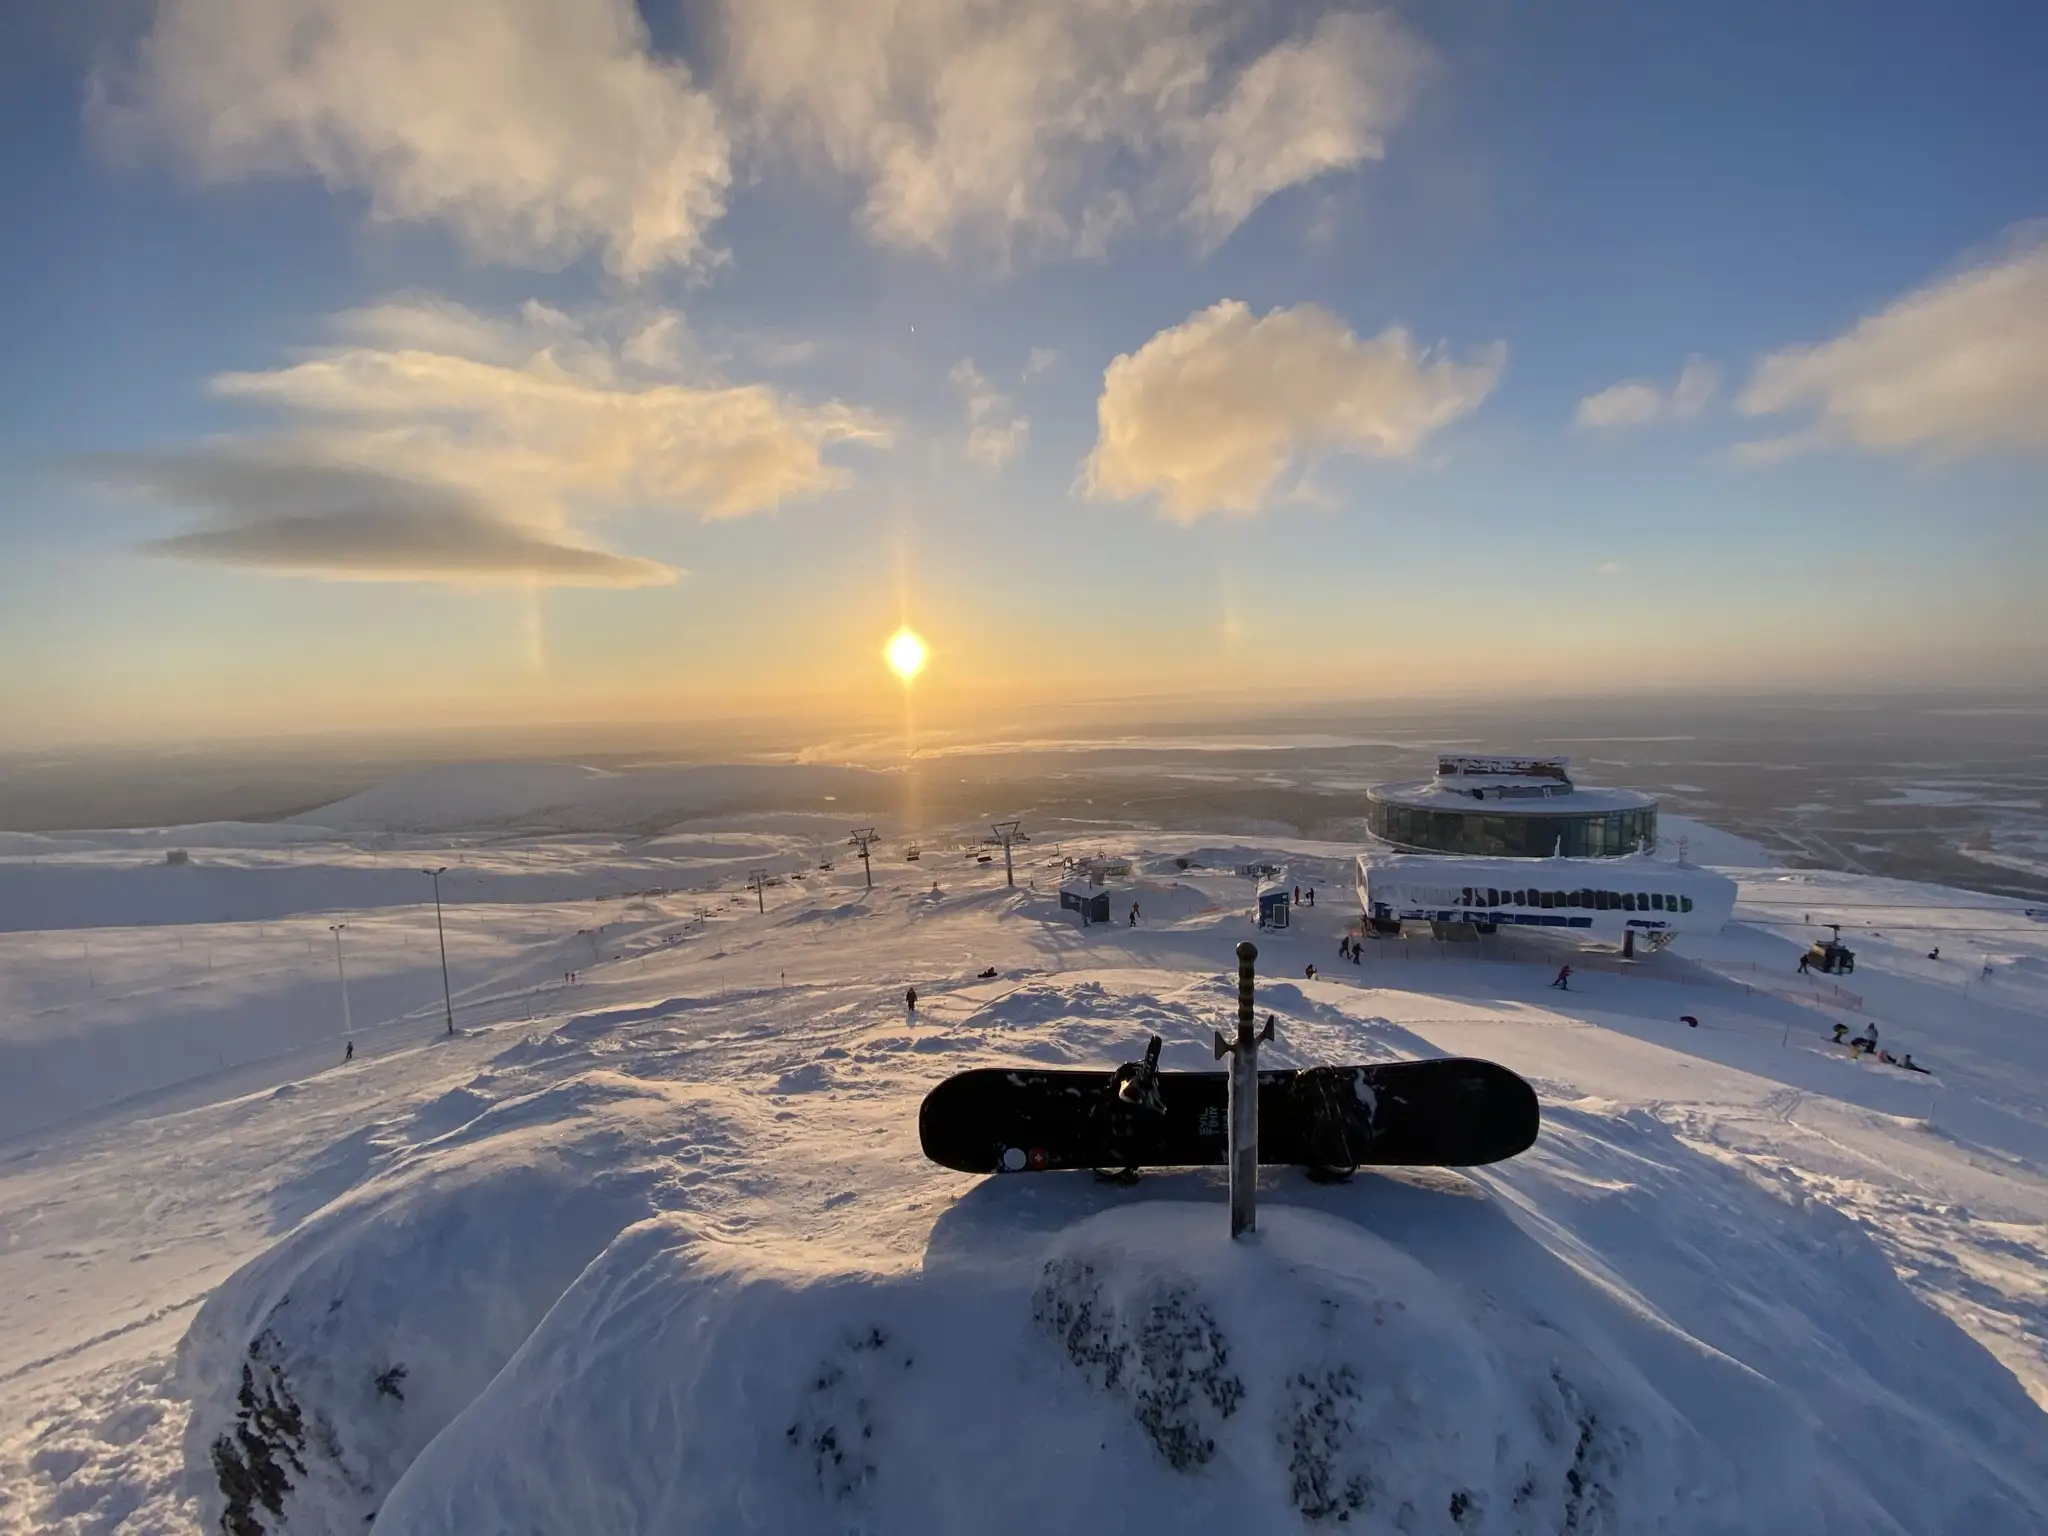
[[654, 1250]]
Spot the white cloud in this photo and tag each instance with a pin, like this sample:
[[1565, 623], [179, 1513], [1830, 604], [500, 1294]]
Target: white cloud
[[574, 422], [995, 432], [1958, 366], [1319, 104], [534, 129], [1638, 402], [1059, 124], [1209, 414], [1697, 385], [437, 443], [1041, 360]]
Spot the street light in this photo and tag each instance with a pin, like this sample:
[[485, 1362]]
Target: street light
[[442, 934], [340, 970]]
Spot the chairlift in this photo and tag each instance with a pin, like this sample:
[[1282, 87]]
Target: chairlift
[[912, 854]]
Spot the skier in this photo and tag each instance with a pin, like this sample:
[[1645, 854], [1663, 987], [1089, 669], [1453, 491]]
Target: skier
[[1564, 979], [348, 1053], [1344, 947], [1357, 951], [910, 999]]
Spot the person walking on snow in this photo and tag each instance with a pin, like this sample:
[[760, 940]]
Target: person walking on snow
[[1134, 914], [1564, 979], [1311, 895], [1805, 963], [910, 999], [349, 1053]]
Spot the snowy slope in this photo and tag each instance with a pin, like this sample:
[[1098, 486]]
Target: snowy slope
[[654, 1250]]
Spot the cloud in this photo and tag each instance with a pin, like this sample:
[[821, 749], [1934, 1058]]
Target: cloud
[[1638, 403], [435, 442], [1057, 125], [1608, 568], [535, 130], [1958, 366], [995, 432], [1041, 360], [1209, 414], [576, 422], [282, 510], [1319, 104]]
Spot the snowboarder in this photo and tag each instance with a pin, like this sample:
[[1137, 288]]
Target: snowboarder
[[1564, 979], [1841, 1033], [910, 999], [1934, 953], [1311, 970], [1910, 1064], [1987, 971], [1805, 963], [348, 1053], [987, 975]]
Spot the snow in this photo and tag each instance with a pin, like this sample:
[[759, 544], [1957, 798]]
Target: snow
[[654, 1249]]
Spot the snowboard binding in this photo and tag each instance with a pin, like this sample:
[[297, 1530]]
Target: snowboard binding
[[1135, 1087], [1137, 1082]]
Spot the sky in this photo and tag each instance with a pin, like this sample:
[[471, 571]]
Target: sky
[[376, 366]]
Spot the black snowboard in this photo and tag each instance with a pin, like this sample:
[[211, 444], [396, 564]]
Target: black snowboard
[[1453, 1112]]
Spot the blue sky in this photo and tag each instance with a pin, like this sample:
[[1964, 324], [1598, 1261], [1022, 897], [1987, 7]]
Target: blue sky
[[545, 360]]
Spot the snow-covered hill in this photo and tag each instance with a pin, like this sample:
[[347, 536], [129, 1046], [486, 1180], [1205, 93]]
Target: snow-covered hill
[[653, 1249]]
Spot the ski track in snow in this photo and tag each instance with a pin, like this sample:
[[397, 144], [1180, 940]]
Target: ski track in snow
[[1742, 1282]]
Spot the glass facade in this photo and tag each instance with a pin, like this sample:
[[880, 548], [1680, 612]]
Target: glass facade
[[1507, 834]]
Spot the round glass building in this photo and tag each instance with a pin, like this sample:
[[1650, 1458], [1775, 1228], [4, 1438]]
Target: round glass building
[[1512, 807]]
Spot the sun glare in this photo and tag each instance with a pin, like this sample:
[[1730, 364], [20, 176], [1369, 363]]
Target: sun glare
[[906, 653]]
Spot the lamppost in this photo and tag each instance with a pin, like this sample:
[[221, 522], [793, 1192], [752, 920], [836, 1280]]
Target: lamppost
[[340, 970], [442, 933]]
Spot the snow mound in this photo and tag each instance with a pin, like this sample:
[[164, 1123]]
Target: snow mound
[[322, 1368], [1135, 1372]]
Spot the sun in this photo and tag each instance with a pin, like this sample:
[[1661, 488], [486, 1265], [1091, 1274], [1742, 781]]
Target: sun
[[906, 653]]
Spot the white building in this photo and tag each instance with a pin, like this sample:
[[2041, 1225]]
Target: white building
[[1622, 900]]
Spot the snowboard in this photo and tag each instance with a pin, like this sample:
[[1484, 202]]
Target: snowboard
[[1454, 1112]]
